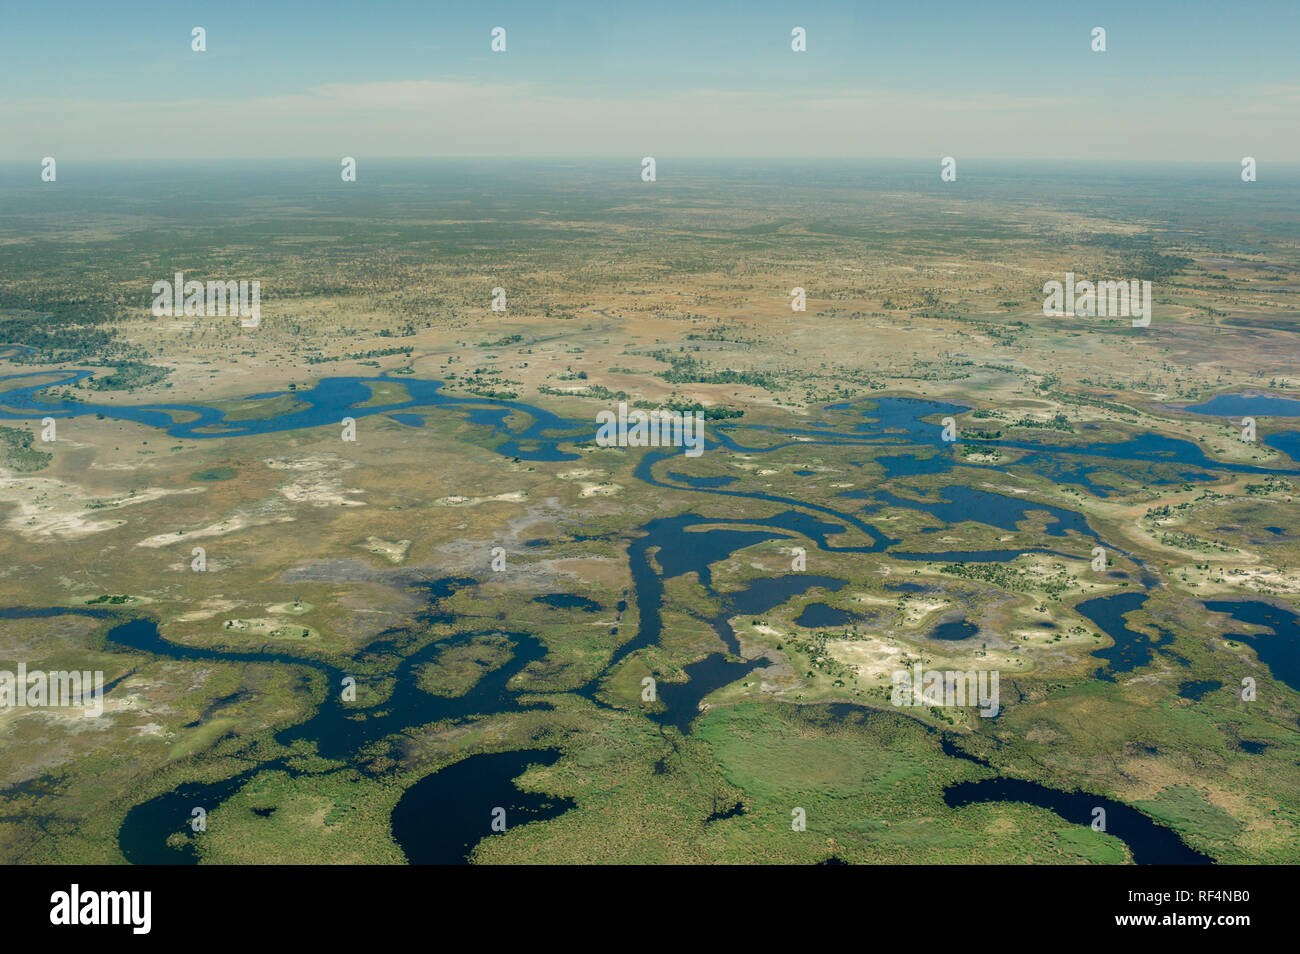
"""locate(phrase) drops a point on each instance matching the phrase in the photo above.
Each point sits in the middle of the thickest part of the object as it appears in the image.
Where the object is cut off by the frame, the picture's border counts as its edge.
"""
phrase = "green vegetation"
(16, 451)
(127, 376)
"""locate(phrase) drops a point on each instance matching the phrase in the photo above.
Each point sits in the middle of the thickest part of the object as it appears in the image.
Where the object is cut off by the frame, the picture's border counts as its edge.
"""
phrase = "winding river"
(427, 821)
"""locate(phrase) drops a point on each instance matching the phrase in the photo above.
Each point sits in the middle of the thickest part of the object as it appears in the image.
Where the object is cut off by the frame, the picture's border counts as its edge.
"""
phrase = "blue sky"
(1188, 80)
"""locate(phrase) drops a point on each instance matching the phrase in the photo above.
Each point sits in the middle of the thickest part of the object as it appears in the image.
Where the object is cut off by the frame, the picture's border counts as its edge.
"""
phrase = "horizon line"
(620, 157)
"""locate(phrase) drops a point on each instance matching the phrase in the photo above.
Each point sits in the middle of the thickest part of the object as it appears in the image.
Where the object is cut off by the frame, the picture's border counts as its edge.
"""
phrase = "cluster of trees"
(684, 369)
(17, 453)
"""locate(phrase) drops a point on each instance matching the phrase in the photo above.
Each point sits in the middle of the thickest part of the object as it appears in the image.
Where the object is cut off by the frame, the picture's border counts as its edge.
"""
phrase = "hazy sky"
(1180, 80)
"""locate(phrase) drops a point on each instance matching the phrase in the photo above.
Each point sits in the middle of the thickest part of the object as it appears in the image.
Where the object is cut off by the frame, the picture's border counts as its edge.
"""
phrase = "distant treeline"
(58, 330)
(686, 370)
(357, 356)
(1145, 261)
(602, 393)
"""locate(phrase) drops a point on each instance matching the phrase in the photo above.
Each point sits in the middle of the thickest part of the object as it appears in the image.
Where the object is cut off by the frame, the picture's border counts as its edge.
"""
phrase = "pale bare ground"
(46, 507)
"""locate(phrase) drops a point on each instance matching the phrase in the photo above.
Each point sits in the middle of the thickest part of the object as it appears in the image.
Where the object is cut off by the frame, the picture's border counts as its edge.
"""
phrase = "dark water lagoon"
(1149, 842)
(1198, 689)
(819, 614)
(1131, 648)
(1278, 647)
(954, 630)
(1246, 405)
(1256, 405)
(568, 601)
(956, 503)
(440, 819)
